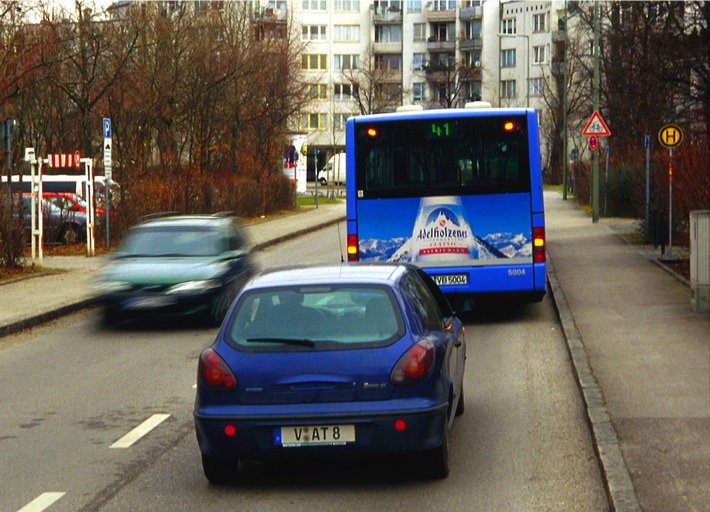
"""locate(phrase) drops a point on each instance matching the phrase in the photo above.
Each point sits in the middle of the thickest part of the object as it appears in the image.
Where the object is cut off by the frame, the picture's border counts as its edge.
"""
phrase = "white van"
(334, 170)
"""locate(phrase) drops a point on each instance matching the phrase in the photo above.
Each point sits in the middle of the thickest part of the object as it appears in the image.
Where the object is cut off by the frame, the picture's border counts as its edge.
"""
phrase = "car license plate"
(149, 302)
(449, 279)
(323, 435)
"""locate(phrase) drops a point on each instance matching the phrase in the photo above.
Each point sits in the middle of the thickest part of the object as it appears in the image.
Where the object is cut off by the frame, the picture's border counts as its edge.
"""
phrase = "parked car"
(176, 266)
(332, 362)
(72, 202)
(60, 224)
(334, 170)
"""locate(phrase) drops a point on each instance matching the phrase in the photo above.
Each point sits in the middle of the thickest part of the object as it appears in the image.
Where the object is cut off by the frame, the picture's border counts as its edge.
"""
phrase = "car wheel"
(70, 234)
(436, 461)
(220, 306)
(109, 318)
(461, 406)
(220, 471)
(323, 181)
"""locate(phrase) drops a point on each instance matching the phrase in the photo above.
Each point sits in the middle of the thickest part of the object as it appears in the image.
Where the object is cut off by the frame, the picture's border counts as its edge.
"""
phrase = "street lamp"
(527, 67)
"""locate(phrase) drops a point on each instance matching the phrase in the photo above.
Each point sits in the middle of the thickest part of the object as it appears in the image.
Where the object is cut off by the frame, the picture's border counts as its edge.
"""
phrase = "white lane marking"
(42, 502)
(141, 430)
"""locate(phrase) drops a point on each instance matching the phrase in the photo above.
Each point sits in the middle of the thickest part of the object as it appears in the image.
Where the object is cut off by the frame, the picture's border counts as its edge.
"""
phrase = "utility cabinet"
(700, 261)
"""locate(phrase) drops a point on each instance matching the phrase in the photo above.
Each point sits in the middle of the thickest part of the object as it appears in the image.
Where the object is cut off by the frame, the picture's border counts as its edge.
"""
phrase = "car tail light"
(353, 250)
(214, 372)
(539, 245)
(414, 366)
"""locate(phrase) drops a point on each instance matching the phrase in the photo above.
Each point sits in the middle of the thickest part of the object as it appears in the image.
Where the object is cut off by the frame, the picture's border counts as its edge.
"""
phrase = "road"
(71, 392)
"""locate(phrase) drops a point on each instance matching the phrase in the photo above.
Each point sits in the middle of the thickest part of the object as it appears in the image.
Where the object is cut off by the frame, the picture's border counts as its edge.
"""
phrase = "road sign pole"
(647, 145)
(595, 156)
(670, 201)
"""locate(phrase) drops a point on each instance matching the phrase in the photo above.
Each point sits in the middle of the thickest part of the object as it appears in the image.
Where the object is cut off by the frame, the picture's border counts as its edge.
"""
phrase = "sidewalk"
(641, 356)
(26, 302)
(642, 359)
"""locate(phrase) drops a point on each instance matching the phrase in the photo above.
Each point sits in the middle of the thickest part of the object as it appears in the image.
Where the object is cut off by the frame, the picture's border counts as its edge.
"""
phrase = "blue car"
(332, 362)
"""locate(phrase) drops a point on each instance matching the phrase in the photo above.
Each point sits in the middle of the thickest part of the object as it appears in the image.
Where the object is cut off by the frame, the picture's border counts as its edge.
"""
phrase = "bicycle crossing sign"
(596, 126)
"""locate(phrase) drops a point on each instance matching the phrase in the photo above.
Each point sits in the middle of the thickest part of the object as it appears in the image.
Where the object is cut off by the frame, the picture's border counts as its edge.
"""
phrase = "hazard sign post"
(670, 136)
(596, 127)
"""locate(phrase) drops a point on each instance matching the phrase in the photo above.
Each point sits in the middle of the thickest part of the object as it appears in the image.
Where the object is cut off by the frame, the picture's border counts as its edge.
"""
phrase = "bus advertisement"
(457, 192)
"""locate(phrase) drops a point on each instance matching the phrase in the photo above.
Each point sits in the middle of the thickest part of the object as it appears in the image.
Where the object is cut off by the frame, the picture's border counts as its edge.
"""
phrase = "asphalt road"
(73, 395)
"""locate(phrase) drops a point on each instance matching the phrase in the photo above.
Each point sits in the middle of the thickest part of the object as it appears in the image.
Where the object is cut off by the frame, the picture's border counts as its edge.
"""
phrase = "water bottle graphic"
(441, 232)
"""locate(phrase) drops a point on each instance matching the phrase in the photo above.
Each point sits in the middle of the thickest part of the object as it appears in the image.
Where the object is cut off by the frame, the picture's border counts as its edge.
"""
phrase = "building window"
(539, 55)
(346, 62)
(315, 92)
(536, 86)
(507, 88)
(314, 5)
(443, 5)
(507, 58)
(472, 29)
(313, 33)
(339, 121)
(443, 31)
(346, 5)
(473, 90)
(419, 91)
(388, 34)
(345, 91)
(414, 5)
(388, 5)
(388, 62)
(346, 33)
(508, 26)
(314, 121)
(540, 22)
(280, 5)
(419, 32)
(472, 59)
(313, 62)
(419, 61)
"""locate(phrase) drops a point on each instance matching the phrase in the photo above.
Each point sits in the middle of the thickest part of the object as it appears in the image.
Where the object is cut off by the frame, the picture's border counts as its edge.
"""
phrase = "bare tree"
(376, 83)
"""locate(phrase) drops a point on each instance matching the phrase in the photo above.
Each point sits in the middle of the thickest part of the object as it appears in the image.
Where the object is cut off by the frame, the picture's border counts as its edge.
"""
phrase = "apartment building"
(372, 56)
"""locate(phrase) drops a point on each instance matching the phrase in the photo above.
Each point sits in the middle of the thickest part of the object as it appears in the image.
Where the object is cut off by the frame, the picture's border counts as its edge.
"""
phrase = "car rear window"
(315, 318)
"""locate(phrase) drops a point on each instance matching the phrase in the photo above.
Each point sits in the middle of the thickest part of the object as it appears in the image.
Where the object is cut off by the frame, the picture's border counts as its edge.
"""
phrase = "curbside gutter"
(619, 487)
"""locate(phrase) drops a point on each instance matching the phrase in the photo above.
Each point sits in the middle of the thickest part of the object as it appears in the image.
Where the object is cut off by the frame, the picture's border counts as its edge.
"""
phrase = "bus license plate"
(449, 279)
(311, 435)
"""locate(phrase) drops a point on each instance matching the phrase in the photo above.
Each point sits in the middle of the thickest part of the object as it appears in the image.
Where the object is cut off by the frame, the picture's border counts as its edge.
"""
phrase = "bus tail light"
(539, 245)
(353, 250)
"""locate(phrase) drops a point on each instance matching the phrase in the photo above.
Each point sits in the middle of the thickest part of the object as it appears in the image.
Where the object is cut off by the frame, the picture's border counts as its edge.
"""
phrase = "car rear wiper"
(285, 341)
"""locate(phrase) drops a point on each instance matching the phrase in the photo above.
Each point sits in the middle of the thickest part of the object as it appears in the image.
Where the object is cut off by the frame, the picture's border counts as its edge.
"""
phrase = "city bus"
(457, 192)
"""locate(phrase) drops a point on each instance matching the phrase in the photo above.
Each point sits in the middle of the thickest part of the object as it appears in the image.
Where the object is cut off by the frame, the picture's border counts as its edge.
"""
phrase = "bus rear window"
(440, 156)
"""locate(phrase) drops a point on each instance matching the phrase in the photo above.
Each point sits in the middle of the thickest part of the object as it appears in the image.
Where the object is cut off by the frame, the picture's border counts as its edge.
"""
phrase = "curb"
(35, 320)
(619, 487)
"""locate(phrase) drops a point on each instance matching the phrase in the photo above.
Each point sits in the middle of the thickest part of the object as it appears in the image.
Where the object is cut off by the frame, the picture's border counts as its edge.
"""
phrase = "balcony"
(272, 15)
(388, 76)
(395, 47)
(474, 43)
(441, 16)
(386, 16)
(434, 44)
(470, 13)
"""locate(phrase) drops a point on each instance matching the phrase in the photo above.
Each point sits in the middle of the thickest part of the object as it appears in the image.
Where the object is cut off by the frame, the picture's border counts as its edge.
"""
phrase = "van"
(334, 170)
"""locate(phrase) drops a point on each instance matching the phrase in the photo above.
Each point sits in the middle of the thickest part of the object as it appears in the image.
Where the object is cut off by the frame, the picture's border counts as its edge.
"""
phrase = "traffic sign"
(596, 126)
(77, 159)
(107, 128)
(593, 142)
(670, 136)
(107, 153)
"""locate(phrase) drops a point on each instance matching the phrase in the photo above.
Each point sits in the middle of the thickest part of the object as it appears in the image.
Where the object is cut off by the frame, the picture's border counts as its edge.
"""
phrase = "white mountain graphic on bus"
(492, 246)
